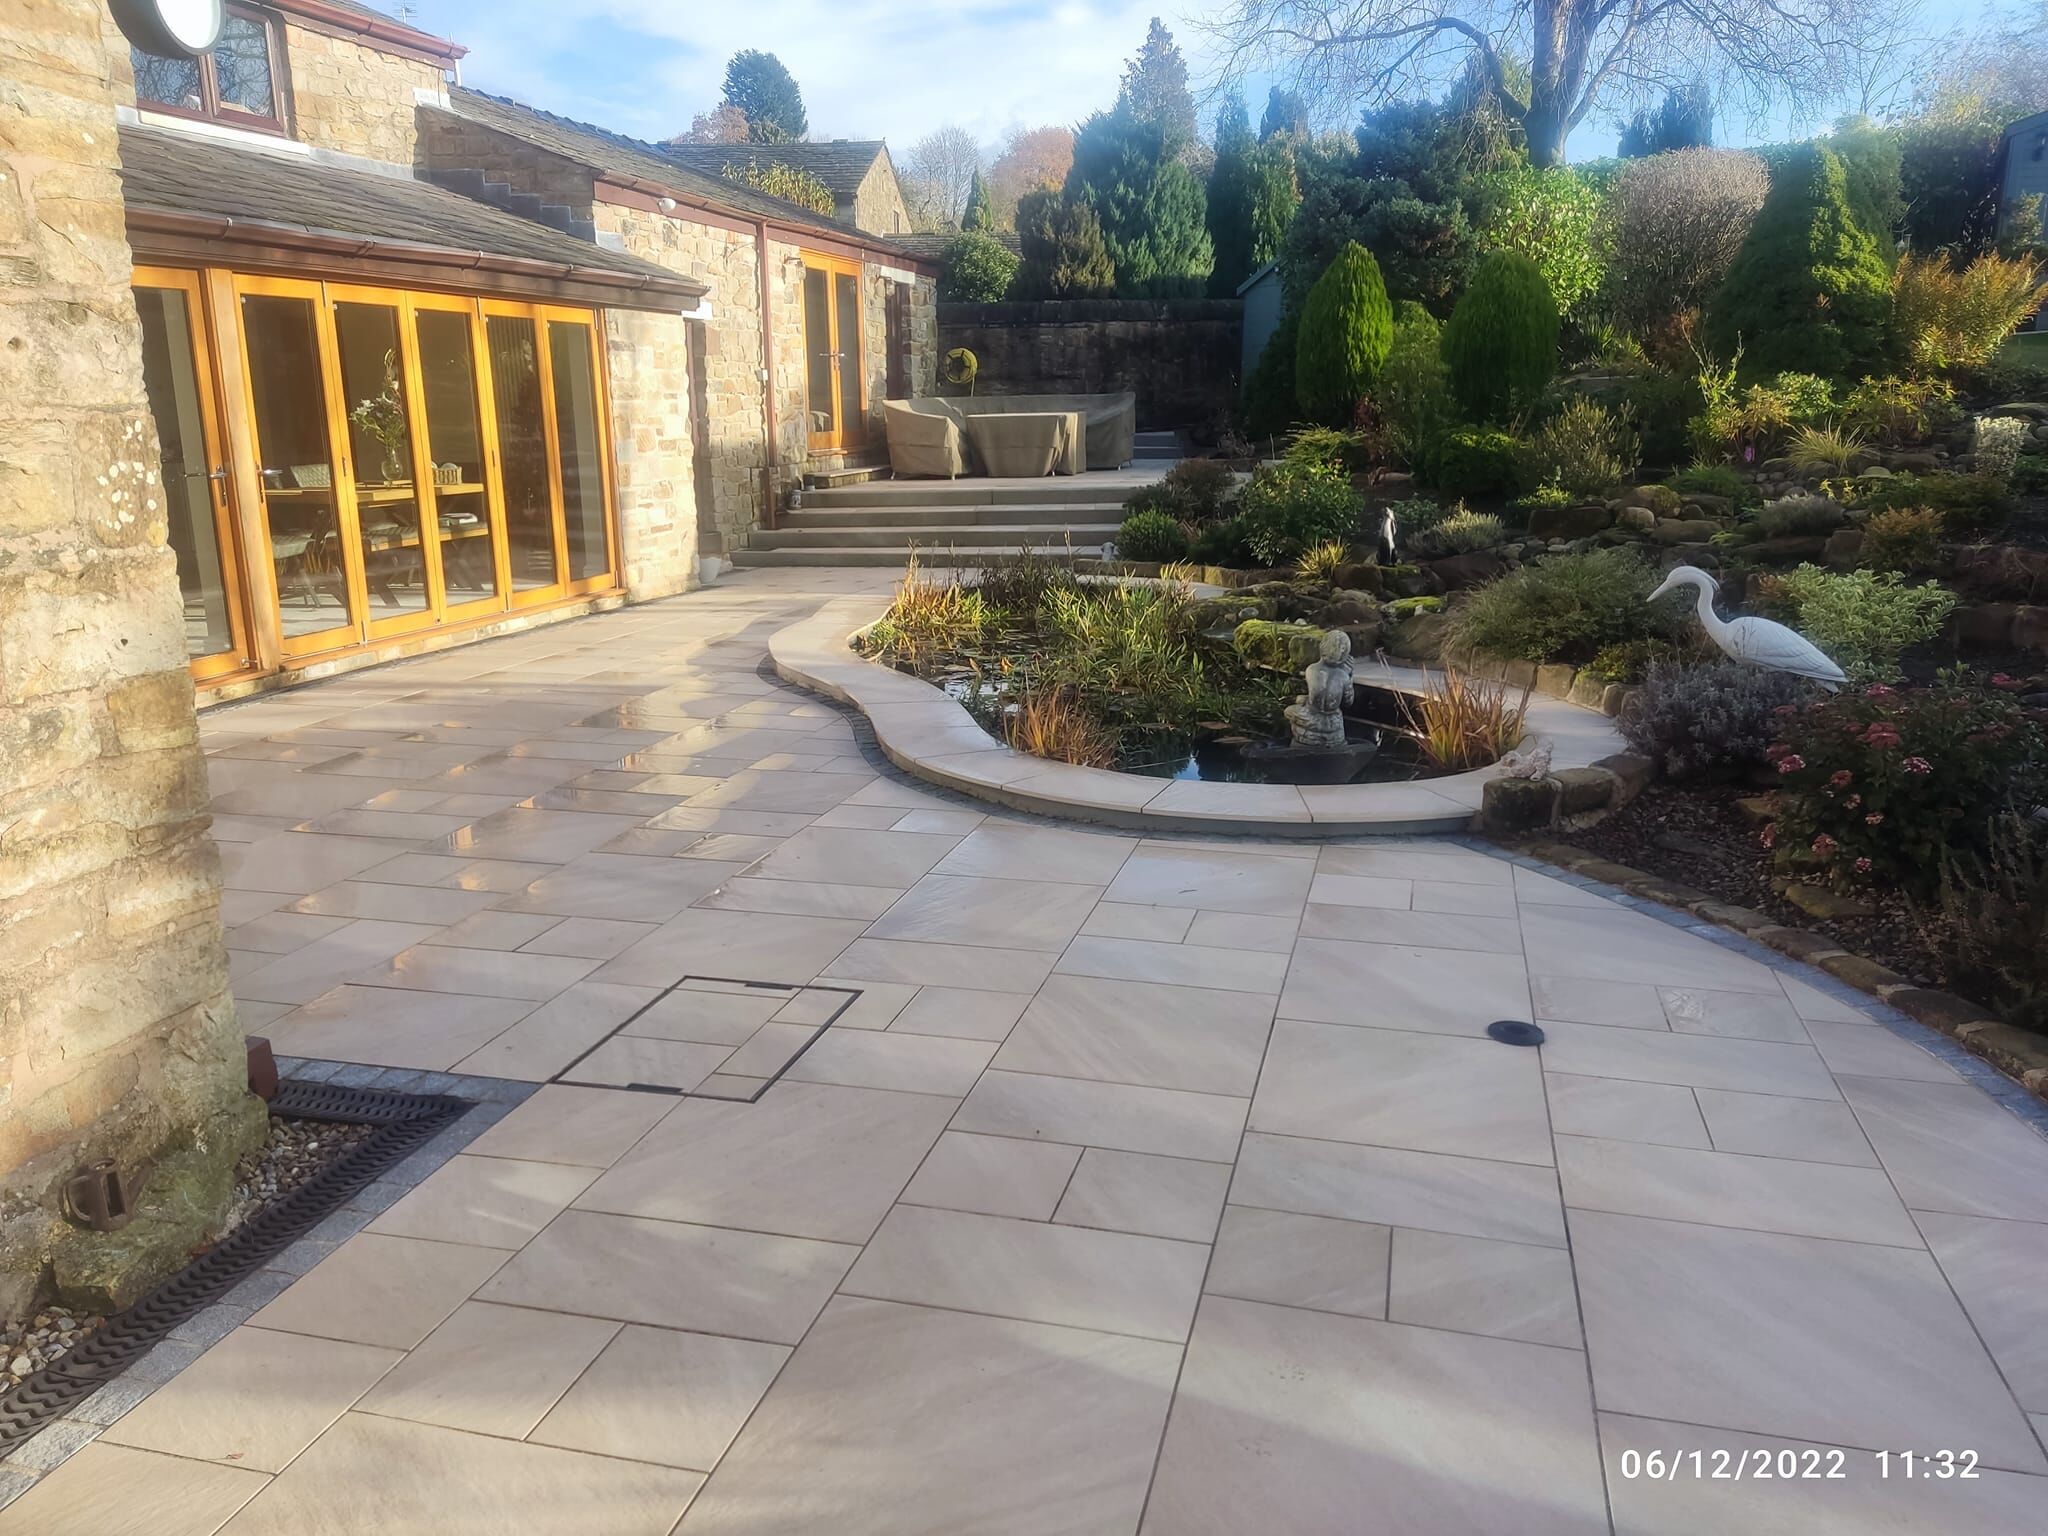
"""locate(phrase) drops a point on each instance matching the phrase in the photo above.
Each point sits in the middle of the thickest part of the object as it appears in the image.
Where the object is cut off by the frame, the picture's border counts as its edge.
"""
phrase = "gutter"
(367, 25)
(795, 234)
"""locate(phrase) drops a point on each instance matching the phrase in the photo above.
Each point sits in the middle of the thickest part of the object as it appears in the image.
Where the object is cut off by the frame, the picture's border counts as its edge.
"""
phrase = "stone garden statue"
(1316, 719)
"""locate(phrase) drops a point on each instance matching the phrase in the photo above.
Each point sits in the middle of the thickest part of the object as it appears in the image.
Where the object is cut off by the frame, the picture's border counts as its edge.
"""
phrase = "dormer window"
(240, 81)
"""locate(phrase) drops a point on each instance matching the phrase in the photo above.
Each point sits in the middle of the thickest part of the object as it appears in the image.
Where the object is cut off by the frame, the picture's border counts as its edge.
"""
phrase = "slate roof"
(616, 154)
(842, 164)
(173, 172)
(931, 246)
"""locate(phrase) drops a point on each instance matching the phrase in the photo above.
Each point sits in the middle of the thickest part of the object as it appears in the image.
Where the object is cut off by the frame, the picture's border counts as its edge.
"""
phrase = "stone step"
(1156, 439)
(965, 492)
(898, 557)
(980, 536)
(946, 517)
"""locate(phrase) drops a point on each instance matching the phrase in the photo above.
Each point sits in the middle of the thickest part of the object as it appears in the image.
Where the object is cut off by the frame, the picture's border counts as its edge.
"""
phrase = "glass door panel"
(178, 385)
(455, 445)
(523, 451)
(579, 440)
(380, 460)
(846, 353)
(309, 551)
(818, 349)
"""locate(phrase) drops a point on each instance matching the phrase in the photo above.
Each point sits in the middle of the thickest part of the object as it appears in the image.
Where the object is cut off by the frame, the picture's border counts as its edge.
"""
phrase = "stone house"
(858, 172)
(280, 403)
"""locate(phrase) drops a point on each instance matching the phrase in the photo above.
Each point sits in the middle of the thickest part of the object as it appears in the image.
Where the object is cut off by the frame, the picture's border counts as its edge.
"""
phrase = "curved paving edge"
(929, 735)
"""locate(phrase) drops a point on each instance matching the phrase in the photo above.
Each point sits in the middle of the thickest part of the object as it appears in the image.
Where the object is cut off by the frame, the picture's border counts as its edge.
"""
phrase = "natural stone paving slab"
(1996, 1268)
(1305, 1421)
(1949, 1148)
(1120, 1116)
(111, 1490)
(493, 1370)
(662, 1396)
(1301, 1261)
(1138, 1032)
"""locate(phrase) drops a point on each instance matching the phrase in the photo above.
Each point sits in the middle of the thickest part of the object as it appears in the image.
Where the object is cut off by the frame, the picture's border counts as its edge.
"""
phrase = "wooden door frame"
(485, 405)
(593, 322)
(849, 429)
(220, 496)
(341, 469)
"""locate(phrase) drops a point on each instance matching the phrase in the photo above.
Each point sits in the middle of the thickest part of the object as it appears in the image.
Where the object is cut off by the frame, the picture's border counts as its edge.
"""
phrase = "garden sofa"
(917, 447)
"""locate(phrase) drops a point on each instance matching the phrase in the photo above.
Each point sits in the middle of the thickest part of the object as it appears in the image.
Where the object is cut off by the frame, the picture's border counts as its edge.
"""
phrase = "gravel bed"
(292, 1153)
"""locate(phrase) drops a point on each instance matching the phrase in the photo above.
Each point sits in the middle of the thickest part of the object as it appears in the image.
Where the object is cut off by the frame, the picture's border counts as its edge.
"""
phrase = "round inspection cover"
(1514, 1032)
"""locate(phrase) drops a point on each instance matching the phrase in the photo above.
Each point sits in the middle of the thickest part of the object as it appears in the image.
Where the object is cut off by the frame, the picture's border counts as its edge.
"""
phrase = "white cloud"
(867, 68)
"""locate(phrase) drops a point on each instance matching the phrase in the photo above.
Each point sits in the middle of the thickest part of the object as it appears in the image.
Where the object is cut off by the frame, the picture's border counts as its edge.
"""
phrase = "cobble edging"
(2019, 1054)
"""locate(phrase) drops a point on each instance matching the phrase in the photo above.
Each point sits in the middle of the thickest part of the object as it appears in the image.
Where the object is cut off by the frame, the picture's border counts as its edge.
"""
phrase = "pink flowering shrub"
(1881, 783)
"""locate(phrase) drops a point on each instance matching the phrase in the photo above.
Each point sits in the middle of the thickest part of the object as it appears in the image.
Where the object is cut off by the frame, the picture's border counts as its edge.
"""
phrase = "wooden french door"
(178, 379)
(833, 371)
(422, 458)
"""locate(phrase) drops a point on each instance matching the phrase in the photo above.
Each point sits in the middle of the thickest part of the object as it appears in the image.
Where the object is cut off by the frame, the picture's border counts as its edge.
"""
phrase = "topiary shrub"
(1292, 505)
(1808, 290)
(1151, 536)
(976, 268)
(1414, 393)
(1706, 720)
(1269, 404)
(1347, 326)
(1564, 608)
(1501, 342)
(1478, 461)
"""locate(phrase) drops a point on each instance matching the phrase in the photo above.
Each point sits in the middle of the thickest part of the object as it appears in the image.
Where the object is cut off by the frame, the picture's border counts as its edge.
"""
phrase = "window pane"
(380, 452)
(455, 440)
(167, 82)
(582, 445)
(818, 347)
(522, 450)
(847, 295)
(241, 67)
(296, 463)
(170, 378)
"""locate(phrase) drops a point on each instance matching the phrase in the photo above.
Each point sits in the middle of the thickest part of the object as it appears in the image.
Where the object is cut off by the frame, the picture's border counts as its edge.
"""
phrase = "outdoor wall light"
(665, 204)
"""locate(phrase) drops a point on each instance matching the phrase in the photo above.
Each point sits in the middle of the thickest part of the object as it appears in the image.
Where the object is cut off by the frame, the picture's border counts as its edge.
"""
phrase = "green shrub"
(1202, 489)
(1290, 506)
(1418, 514)
(1545, 498)
(1902, 539)
(1803, 399)
(1584, 449)
(1414, 393)
(1550, 216)
(1347, 325)
(1900, 412)
(1269, 404)
(1346, 450)
(1564, 608)
(1808, 290)
(1629, 661)
(1222, 544)
(1800, 517)
(1994, 917)
(1712, 480)
(1996, 442)
(1478, 461)
(2030, 474)
(1151, 536)
(1706, 720)
(1661, 404)
(1950, 317)
(1465, 531)
(1501, 343)
(1967, 503)
(976, 268)
(1863, 620)
(1881, 785)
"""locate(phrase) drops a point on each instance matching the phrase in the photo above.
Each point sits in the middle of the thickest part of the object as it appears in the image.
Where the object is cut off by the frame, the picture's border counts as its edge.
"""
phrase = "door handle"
(218, 474)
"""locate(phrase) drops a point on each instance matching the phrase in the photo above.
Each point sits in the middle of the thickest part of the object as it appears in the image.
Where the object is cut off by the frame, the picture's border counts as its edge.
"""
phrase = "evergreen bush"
(976, 268)
(1478, 461)
(1808, 290)
(1501, 342)
(1269, 404)
(1347, 326)
(1414, 392)
(1151, 535)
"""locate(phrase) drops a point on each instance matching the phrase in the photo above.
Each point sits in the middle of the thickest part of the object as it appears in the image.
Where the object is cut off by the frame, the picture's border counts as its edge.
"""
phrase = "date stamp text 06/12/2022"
(1761, 1464)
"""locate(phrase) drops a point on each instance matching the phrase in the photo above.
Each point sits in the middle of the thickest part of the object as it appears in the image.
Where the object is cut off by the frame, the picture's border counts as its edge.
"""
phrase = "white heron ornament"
(1755, 642)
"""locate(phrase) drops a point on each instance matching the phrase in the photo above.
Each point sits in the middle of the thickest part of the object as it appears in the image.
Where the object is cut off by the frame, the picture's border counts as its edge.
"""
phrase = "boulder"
(1679, 530)
(2033, 408)
(1985, 626)
(1660, 499)
(1365, 638)
(1637, 519)
(1819, 901)
(1874, 472)
(1518, 805)
(1588, 690)
(1362, 576)
(1554, 679)
(1282, 647)
(1790, 551)
(1584, 789)
(1632, 773)
(1709, 505)
(1413, 581)
(1576, 522)
(1348, 610)
(1844, 548)
(1418, 636)
(1456, 572)
(1916, 462)
(2030, 629)
(1230, 610)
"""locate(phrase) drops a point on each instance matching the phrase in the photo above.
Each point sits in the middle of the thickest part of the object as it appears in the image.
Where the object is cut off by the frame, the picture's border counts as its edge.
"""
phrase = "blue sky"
(868, 68)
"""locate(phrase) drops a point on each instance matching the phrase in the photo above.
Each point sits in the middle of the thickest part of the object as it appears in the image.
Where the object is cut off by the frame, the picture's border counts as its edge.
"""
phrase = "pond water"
(1376, 718)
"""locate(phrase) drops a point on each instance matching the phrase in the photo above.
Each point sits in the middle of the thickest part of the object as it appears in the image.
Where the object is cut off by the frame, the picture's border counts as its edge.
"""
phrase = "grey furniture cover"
(926, 438)
(1111, 421)
(1024, 443)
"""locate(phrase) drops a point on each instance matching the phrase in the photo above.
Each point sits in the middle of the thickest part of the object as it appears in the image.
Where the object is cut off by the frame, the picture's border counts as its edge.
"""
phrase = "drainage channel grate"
(712, 1037)
(406, 1122)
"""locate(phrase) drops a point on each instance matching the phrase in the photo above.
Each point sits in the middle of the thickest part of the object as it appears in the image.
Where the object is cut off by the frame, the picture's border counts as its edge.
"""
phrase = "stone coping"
(929, 735)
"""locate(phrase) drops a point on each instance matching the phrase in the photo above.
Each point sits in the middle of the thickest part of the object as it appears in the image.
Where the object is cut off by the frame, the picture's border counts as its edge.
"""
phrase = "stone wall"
(447, 142)
(878, 201)
(1180, 356)
(117, 1032)
(724, 259)
(355, 98)
(649, 372)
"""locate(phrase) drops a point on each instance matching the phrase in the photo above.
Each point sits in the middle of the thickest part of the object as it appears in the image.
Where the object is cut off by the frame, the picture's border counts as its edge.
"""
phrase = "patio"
(1149, 1185)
